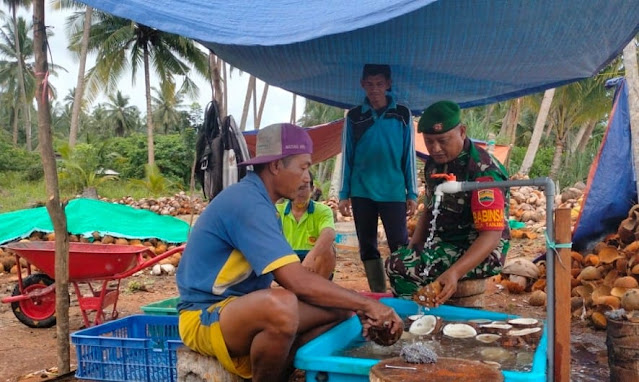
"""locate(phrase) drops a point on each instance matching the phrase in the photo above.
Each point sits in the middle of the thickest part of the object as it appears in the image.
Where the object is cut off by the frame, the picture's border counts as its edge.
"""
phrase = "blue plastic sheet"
(611, 187)
(471, 51)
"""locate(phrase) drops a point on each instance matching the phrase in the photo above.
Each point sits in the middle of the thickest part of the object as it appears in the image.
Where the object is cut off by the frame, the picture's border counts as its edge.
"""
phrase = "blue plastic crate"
(319, 361)
(135, 348)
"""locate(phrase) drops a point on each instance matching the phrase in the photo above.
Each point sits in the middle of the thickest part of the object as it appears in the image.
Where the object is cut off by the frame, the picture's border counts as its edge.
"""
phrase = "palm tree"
(540, 122)
(122, 44)
(122, 115)
(26, 107)
(84, 45)
(167, 108)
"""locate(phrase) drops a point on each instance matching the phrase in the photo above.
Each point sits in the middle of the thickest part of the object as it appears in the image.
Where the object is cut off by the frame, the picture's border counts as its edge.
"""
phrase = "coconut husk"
(598, 320)
(591, 260)
(425, 296)
(539, 285)
(537, 298)
(608, 255)
(630, 300)
(632, 248)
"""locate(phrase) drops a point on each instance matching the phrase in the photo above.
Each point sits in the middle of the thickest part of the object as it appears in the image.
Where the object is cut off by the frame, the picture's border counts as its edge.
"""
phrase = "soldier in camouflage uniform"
(472, 235)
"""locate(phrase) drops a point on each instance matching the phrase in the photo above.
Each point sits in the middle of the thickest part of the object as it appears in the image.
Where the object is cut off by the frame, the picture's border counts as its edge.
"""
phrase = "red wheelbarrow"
(33, 298)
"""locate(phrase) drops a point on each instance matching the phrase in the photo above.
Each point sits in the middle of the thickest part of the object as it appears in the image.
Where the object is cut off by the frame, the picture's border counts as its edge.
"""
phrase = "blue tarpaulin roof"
(470, 51)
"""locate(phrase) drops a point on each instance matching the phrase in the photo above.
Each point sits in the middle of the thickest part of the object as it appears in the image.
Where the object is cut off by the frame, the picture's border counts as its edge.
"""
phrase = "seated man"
(471, 235)
(235, 251)
(309, 228)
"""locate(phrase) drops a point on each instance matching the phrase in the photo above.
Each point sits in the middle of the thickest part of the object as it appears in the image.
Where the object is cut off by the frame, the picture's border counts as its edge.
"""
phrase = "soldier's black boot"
(376, 275)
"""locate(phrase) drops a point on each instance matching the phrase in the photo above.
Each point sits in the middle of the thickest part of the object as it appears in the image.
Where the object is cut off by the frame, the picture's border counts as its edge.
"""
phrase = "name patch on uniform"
(486, 197)
(487, 220)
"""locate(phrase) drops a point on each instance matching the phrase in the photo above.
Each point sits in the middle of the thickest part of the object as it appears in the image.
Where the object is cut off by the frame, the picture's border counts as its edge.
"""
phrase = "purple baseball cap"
(278, 141)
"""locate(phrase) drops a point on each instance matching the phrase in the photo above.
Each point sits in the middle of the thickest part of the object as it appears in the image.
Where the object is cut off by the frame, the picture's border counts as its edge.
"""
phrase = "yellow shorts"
(200, 331)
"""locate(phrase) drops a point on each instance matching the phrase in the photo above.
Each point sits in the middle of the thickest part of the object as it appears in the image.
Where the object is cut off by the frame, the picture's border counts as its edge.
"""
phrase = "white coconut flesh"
(415, 317)
(523, 332)
(497, 326)
(423, 325)
(487, 338)
(459, 331)
(480, 321)
(523, 321)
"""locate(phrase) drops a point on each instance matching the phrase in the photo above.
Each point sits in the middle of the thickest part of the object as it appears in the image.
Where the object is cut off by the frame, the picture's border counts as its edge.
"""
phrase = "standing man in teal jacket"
(378, 170)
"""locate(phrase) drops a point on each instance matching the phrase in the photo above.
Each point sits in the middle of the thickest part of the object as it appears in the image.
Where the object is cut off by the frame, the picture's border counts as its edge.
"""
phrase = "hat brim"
(262, 159)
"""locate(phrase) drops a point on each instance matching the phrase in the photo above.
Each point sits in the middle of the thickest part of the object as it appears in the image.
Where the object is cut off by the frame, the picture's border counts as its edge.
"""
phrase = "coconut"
(426, 295)
(608, 255)
(591, 260)
(495, 328)
(523, 322)
(425, 325)
(521, 271)
(537, 298)
(630, 300)
(590, 273)
(521, 337)
(598, 320)
(459, 331)
(383, 336)
(480, 321)
(415, 317)
(487, 338)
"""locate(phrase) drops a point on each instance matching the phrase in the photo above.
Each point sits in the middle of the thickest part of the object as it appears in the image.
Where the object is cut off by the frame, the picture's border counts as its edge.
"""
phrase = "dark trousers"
(393, 215)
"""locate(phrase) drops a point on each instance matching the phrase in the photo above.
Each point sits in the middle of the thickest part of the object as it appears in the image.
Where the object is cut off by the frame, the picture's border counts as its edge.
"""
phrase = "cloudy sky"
(278, 103)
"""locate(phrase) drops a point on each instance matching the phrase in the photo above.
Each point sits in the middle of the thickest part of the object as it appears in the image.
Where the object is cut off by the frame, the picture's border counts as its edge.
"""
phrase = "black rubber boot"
(376, 275)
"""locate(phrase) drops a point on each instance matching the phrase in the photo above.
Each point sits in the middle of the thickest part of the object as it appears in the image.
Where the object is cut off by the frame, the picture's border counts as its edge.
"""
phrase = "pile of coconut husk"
(8, 259)
(178, 204)
(605, 279)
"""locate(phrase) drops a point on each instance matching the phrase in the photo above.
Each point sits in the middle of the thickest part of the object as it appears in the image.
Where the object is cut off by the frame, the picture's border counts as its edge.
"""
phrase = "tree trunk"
(23, 94)
(79, 87)
(149, 111)
(247, 102)
(542, 117)
(632, 79)
(586, 137)
(293, 109)
(549, 128)
(216, 83)
(258, 120)
(509, 123)
(54, 207)
(489, 112)
(16, 109)
(556, 159)
(254, 105)
(582, 136)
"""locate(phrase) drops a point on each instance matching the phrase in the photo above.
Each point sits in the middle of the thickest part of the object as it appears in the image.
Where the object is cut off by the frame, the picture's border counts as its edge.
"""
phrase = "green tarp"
(85, 216)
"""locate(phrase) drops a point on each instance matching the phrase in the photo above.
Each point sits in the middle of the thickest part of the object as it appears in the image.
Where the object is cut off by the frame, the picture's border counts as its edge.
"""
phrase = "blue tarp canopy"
(612, 186)
(471, 51)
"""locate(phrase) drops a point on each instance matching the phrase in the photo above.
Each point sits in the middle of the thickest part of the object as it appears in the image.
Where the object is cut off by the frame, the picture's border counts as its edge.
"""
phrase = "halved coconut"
(495, 328)
(523, 322)
(459, 331)
(480, 321)
(519, 337)
(425, 325)
(487, 338)
(415, 317)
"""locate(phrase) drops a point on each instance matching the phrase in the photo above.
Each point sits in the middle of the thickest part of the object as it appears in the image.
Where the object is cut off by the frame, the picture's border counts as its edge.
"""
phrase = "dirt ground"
(26, 354)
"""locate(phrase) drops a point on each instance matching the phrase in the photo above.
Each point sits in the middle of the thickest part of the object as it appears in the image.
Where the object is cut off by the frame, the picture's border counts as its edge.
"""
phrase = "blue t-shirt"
(234, 246)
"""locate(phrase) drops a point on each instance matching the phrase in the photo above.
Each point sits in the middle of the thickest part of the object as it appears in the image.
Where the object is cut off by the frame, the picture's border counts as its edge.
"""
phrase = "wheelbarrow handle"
(149, 262)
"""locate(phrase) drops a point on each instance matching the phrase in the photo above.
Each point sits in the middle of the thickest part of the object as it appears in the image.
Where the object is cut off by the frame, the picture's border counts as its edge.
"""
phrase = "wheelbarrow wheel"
(37, 312)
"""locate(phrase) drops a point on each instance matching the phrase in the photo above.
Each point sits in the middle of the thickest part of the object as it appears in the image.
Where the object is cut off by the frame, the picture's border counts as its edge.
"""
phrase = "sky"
(278, 102)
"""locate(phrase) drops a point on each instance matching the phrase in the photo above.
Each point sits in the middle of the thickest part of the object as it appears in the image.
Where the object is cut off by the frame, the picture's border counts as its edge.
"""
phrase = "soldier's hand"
(448, 280)
(345, 207)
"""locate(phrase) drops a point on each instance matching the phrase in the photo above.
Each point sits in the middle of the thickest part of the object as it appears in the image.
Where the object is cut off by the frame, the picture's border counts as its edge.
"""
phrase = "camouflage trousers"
(408, 270)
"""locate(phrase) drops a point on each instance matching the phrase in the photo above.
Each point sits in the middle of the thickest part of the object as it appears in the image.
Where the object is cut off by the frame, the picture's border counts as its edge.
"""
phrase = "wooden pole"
(54, 207)
(562, 296)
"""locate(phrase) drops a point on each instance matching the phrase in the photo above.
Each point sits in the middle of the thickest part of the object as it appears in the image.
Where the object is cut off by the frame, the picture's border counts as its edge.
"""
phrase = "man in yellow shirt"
(310, 229)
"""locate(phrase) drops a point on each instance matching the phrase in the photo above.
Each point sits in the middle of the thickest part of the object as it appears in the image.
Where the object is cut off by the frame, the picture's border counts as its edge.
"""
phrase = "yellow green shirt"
(303, 235)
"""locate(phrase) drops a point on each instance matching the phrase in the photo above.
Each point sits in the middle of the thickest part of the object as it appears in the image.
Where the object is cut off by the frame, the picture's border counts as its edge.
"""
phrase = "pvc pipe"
(549, 192)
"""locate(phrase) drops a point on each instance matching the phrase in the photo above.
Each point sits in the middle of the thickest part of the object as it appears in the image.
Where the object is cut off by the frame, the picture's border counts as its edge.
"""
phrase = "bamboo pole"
(562, 297)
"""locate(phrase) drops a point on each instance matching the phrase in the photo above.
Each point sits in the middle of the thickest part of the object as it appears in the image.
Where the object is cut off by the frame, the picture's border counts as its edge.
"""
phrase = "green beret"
(439, 118)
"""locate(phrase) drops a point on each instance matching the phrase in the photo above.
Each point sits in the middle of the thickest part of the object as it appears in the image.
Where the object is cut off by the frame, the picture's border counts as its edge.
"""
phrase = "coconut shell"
(574, 272)
(50, 236)
(121, 241)
(108, 239)
(590, 273)
(608, 301)
(598, 320)
(591, 259)
(73, 239)
(632, 248)
(608, 255)
(513, 287)
(383, 336)
(576, 256)
(626, 230)
(628, 282)
(621, 266)
(425, 296)
(610, 278)
(539, 285)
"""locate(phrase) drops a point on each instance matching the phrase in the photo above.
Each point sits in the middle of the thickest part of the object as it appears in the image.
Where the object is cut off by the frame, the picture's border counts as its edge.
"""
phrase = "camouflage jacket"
(455, 221)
